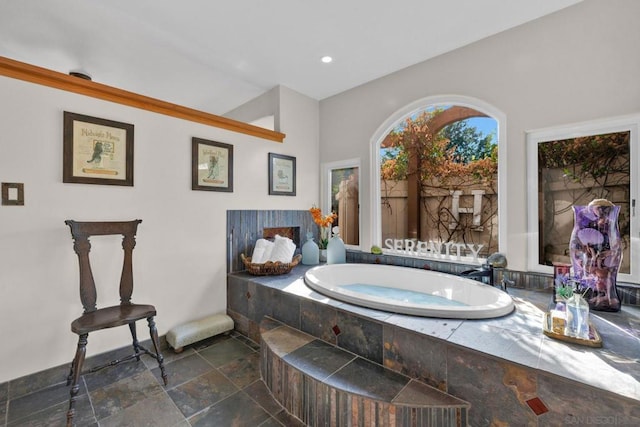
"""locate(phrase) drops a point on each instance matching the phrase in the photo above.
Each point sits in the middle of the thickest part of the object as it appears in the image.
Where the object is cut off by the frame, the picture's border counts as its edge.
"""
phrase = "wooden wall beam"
(34, 74)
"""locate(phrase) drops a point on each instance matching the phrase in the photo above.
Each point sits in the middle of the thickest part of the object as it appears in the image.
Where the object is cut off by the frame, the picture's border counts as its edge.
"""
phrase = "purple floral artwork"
(596, 253)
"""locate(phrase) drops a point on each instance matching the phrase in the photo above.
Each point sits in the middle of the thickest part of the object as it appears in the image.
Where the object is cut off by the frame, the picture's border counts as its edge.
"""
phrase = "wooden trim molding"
(34, 74)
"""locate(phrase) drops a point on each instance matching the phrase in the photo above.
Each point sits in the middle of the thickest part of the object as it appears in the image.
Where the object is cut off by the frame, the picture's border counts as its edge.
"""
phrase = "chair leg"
(134, 335)
(156, 345)
(76, 366)
(70, 377)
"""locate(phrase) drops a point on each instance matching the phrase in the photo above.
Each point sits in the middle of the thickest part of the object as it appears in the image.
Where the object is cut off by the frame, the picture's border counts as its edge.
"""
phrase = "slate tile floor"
(213, 383)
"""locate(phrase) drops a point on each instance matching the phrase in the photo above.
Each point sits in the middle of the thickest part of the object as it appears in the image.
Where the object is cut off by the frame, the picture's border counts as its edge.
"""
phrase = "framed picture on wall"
(282, 175)
(97, 151)
(211, 165)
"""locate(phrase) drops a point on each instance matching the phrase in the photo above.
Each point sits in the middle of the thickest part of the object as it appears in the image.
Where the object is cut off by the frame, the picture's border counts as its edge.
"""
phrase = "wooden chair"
(95, 319)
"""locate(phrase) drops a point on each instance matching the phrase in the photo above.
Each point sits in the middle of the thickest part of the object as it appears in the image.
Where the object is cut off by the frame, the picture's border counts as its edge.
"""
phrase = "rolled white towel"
(262, 251)
(283, 249)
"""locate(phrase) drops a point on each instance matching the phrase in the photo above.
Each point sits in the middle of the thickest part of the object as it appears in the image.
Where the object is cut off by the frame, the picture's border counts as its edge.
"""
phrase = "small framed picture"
(97, 151)
(211, 165)
(282, 175)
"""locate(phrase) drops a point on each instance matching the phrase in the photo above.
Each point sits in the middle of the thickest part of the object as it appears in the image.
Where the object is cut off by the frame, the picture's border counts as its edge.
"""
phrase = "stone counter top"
(516, 337)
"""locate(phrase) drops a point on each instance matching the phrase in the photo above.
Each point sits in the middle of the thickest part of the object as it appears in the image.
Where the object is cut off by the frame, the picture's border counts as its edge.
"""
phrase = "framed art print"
(211, 165)
(282, 175)
(97, 151)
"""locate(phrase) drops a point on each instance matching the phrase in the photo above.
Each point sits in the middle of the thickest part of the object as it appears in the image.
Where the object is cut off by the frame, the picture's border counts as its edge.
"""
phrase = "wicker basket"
(269, 268)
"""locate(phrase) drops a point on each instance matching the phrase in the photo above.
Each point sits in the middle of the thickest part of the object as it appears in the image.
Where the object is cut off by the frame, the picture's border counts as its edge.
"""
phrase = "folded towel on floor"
(262, 251)
(283, 250)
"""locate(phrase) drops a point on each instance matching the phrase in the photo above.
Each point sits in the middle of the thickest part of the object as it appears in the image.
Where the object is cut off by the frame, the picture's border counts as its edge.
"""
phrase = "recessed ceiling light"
(326, 59)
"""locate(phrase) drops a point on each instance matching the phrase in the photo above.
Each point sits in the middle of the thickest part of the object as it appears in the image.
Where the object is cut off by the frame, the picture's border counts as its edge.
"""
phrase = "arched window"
(435, 179)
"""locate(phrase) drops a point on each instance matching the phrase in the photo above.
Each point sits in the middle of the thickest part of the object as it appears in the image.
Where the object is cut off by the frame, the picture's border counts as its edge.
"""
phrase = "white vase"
(336, 252)
(310, 252)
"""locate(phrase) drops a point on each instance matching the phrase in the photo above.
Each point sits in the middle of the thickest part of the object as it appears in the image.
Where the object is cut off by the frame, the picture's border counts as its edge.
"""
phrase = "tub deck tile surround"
(360, 336)
(484, 362)
(324, 385)
(319, 320)
(245, 227)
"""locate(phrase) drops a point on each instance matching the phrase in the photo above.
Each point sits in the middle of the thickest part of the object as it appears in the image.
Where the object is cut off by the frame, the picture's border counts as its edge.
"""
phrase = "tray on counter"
(595, 340)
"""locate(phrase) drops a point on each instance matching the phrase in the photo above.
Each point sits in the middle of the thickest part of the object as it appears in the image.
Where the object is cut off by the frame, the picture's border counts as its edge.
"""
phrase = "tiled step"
(324, 385)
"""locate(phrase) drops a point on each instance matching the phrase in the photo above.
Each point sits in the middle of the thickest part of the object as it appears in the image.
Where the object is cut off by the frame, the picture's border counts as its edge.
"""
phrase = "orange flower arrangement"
(324, 222)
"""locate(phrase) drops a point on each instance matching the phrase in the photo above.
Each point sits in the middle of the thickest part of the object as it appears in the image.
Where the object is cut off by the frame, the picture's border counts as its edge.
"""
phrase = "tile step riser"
(316, 403)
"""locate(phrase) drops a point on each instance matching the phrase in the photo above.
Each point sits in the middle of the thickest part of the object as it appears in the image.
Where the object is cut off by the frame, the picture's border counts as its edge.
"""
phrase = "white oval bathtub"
(444, 295)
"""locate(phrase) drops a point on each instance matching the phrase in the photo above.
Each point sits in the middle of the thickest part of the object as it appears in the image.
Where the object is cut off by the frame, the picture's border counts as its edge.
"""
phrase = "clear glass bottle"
(577, 317)
(310, 251)
(336, 251)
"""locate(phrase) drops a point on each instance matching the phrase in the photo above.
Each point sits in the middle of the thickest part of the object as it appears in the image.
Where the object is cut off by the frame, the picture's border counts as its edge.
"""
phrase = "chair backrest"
(81, 231)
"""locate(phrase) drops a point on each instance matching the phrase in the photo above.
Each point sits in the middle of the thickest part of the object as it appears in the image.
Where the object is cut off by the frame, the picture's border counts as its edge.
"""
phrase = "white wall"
(300, 114)
(579, 64)
(267, 104)
(179, 260)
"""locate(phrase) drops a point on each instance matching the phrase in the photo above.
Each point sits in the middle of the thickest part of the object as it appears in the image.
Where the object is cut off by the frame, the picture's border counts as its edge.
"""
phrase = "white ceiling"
(214, 55)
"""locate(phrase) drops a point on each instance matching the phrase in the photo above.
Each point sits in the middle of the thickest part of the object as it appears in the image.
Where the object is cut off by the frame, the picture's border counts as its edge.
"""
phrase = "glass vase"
(596, 253)
(310, 251)
(336, 251)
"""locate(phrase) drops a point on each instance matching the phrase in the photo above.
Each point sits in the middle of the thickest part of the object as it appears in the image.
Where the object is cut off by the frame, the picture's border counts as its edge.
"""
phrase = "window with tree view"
(439, 178)
(575, 171)
(345, 202)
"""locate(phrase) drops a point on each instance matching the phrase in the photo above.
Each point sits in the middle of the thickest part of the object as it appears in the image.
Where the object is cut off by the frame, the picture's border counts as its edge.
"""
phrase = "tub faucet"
(494, 261)
(497, 260)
